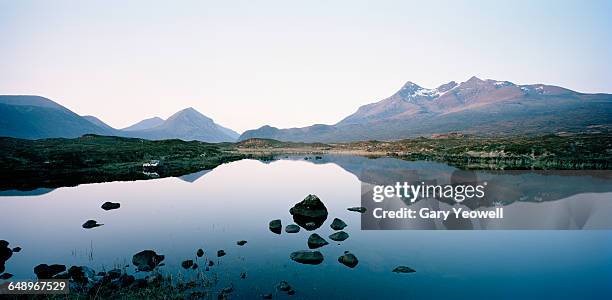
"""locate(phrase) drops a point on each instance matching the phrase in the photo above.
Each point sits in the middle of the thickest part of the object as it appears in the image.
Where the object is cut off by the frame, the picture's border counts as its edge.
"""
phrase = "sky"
(288, 63)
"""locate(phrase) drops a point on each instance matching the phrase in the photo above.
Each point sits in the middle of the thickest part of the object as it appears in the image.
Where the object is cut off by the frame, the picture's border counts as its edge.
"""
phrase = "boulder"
(17, 249)
(242, 275)
(211, 263)
(276, 226)
(195, 266)
(44, 271)
(110, 205)
(114, 274)
(266, 296)
(241, 243)
(316, 241)
(339, 236)
(359, 209)
(5, 254)
(147, 260)
(403, 269)
(6, 276)
(307, 257)
(338, 224)
(310, 213)
(200, 252)
(348, 259)
(292, 228)
(220, 253)
(81, 274)
(91, 224)
(187, 264)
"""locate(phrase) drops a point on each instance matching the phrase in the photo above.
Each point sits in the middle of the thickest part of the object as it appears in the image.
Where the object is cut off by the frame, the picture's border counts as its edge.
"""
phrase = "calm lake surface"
(214, 209)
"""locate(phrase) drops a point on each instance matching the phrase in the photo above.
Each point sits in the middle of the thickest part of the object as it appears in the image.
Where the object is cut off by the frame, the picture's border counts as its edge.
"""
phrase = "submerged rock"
(403, 269)
(200, 252)
(316, 241)
(291, 292)
(6, 276)
(359, 209)
(195, 266)
(339, 236)
(243, 275)
(147, 260)
(110, 205)
(187, 264)
(276, 226)
(91, 224)
(283, 286)
(307, 257)
(44, 271)
(338, 224)
(220, 253)
(348, 259)
(114, 273)
(292, 228)
(241, 243)
(266, 296)
(310, 213)
(17, 249)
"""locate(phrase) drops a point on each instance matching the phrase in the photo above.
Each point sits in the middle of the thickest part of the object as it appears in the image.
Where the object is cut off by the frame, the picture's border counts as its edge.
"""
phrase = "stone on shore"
(44, 271)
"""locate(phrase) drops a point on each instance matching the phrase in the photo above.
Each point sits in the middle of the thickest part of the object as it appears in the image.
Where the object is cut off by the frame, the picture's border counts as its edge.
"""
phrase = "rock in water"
(200, 252)
(310, 213)
(283, 286)
(339, 236)
(147, 260)
(292, 228)
(338, 224)
(195, 266)
(91, 224)
(220, 253)
(44, 271)
(5, 254)
(359, 209)
(187, 264)
(81, 274)
(242, 275)
(266, 296)
(241, 243)
(6, 276)
(316, 241)
(403, 269)
(348, 259)
(276, 226)
(17, 249)
(110, 205)
(307, 257)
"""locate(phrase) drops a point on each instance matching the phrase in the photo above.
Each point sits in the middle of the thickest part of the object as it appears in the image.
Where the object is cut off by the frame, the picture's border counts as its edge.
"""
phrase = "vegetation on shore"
(579, 151)
(28, 164)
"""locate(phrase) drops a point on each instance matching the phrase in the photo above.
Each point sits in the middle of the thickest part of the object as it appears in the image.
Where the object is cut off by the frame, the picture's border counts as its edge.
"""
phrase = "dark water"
(212, 210)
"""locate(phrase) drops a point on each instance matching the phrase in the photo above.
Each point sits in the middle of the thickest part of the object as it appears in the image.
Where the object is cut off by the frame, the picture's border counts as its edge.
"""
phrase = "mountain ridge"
(476, 106)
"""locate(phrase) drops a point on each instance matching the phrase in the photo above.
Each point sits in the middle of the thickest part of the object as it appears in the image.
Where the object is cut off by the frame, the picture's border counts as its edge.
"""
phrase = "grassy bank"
(28, 164)
(561, 152)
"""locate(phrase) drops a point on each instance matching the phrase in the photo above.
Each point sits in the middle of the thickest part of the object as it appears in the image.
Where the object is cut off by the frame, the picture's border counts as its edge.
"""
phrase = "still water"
(214, 209)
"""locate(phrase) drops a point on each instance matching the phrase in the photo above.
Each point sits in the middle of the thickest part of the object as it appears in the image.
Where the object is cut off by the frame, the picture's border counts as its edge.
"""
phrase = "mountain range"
(35, 117)
(481, 107)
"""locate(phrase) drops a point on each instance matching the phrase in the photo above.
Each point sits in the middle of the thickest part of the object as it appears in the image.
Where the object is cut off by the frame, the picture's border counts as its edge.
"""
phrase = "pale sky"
(288, 63)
